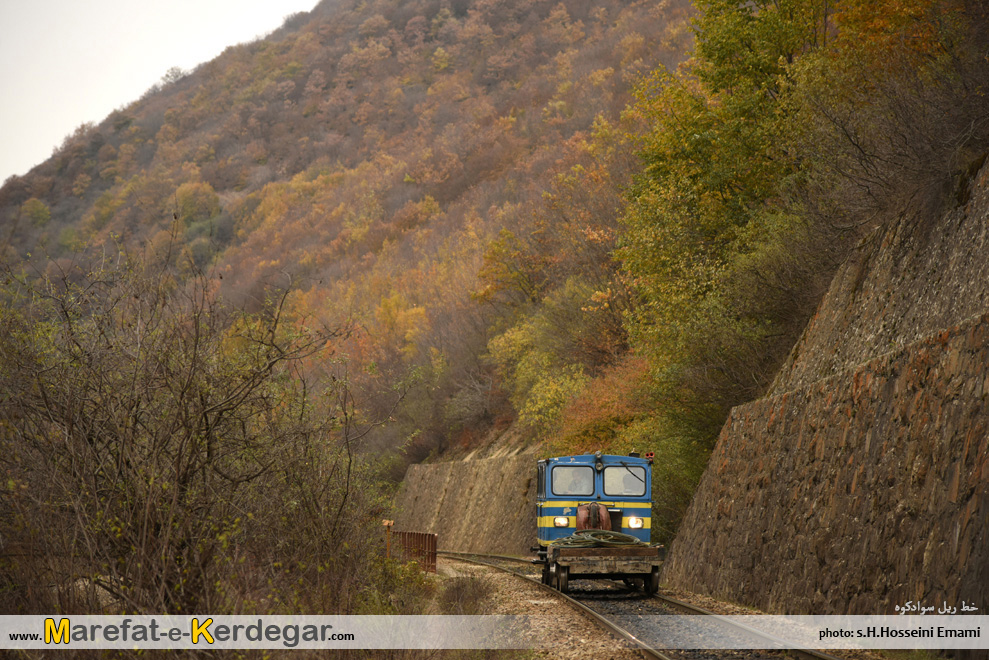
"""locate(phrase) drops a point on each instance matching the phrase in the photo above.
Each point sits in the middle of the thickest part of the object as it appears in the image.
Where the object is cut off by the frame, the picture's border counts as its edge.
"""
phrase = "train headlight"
(635, 523)
(561, 521)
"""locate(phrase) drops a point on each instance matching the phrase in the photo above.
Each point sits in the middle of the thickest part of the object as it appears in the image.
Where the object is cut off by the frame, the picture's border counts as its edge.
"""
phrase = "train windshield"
(626, 481)
(573, 480)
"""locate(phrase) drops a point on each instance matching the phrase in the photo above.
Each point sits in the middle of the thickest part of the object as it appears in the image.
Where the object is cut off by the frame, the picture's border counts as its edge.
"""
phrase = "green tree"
(36, 211)
(795, 126)
(196, 201)
(713, 193)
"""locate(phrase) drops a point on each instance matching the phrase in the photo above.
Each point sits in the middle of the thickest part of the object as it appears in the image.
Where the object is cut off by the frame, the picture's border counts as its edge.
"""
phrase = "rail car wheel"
(652, 582)
(563, 578)
(547, 576)
(633, 583)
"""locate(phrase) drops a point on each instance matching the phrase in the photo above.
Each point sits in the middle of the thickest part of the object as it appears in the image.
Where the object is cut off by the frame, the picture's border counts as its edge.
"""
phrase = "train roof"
(606, 459)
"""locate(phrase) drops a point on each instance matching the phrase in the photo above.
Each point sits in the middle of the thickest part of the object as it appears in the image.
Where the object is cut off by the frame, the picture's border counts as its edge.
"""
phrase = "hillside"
(364, 156)
(236, 309)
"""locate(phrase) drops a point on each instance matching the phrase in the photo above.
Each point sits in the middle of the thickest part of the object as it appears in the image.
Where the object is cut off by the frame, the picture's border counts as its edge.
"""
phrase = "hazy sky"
(67, 62)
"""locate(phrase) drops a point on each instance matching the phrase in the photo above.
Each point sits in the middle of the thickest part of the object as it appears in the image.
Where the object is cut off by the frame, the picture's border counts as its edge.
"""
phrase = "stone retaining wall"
(908, 280)
(482, 505)
(854, 493)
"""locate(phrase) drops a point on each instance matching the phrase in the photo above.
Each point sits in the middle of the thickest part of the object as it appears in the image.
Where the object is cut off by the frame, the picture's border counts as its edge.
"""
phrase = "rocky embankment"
(852, 494)
(474, 505)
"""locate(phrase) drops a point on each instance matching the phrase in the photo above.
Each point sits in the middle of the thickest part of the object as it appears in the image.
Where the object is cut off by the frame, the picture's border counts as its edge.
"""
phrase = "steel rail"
(604, 622)
(520, 560)
(800, 652)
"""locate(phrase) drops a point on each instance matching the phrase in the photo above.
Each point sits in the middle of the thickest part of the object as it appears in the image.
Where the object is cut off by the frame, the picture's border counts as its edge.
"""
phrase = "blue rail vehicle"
(593, 515)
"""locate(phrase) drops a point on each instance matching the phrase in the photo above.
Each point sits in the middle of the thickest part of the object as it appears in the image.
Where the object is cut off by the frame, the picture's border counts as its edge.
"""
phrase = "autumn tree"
(372, 155)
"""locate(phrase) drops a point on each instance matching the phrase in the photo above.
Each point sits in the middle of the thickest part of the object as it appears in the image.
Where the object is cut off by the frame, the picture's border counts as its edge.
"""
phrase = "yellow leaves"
(539, 384)
(559, 27)
(196, 201)
(599, 301)
(441, 59)
(438, 362)
(362, 216)
(81, 184)
(876, 37)
(447, 89)
(546, 358)
(602, 235)
(506, 269)
(400, 325)
(631, 48)
(601, 76)
(36, 212)
(557, 112)
(506, 123)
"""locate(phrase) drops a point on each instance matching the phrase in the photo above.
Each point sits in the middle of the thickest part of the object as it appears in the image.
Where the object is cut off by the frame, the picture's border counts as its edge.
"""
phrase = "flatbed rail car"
(603, 496)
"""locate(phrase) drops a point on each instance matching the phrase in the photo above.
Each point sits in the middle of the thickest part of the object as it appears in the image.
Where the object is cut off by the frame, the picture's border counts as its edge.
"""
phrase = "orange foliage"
(343, 158)
(608, 403)
(908, 29)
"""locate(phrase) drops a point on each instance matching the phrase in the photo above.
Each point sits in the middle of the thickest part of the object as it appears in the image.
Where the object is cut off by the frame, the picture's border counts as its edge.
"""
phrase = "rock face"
(919, 276)
(852, 494)
(862, 480)
(482, 505)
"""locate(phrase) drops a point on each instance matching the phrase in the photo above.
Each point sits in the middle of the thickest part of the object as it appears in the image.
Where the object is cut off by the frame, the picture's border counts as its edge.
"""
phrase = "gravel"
(572, 635)
(567, 634)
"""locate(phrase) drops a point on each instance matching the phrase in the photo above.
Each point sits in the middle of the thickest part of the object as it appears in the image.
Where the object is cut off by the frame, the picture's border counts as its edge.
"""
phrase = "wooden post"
(388, 524)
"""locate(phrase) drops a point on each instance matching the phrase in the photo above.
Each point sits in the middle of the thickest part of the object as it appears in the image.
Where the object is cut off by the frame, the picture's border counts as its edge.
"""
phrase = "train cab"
(593, 491)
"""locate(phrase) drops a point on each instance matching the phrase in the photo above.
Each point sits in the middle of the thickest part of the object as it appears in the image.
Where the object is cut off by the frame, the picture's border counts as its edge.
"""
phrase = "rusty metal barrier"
(419, 547)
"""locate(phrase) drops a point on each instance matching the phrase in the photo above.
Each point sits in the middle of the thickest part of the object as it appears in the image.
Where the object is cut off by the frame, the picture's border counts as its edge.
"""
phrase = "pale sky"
(67, 62)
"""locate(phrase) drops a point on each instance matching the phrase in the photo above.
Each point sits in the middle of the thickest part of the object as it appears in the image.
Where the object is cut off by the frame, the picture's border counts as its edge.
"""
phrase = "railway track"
(616, 607)
(601, 620)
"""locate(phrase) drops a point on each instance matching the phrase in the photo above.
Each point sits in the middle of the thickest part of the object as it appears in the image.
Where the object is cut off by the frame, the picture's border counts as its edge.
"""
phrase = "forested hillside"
(364, 156)
(392, 227)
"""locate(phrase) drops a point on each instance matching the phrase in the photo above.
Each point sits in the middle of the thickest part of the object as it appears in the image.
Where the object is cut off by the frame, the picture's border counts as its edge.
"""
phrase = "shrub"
(164, 453)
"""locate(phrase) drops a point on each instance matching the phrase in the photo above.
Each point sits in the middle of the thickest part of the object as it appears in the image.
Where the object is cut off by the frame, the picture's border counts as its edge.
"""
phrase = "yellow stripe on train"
(646, 523)
(549, 521)
(575, 504)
